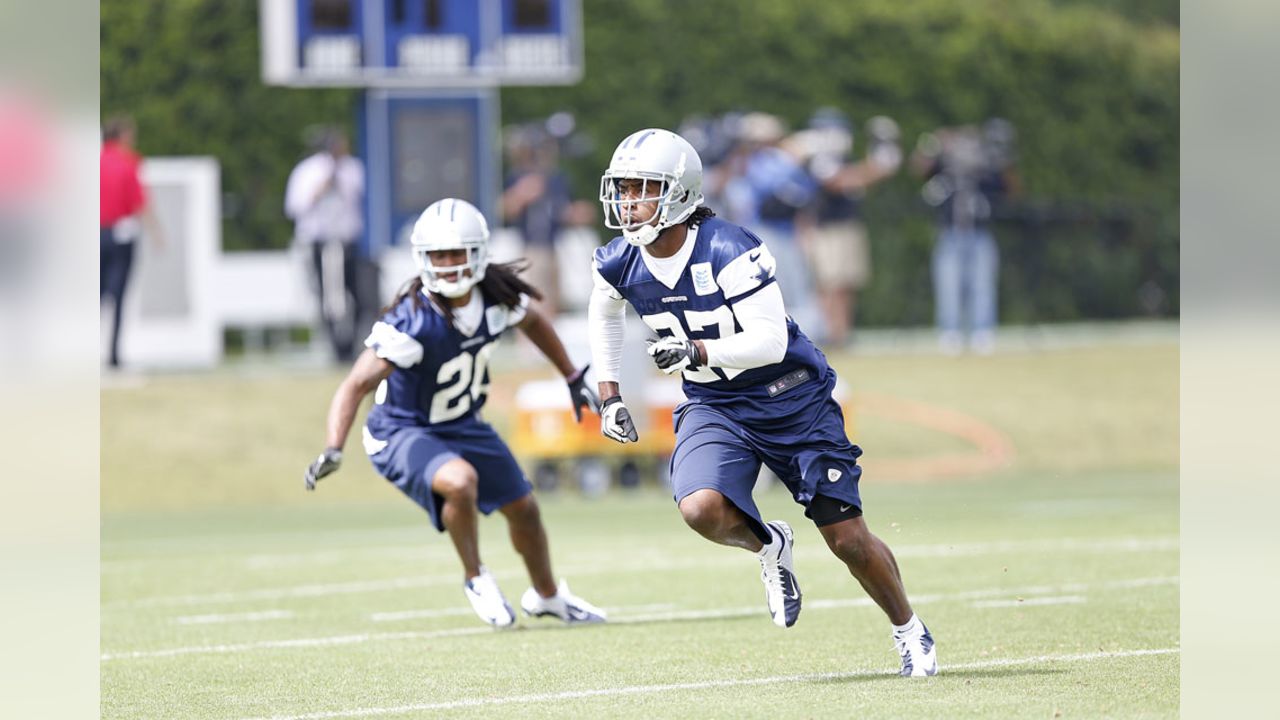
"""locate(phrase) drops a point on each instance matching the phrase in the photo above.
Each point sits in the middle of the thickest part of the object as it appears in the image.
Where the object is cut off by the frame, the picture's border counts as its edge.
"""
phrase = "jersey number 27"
(721, 319)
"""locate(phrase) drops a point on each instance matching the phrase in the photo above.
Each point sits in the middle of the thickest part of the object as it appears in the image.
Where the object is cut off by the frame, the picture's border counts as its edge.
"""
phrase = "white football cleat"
(778, 574)
(919, 658)
(487, 600)
(565, 605)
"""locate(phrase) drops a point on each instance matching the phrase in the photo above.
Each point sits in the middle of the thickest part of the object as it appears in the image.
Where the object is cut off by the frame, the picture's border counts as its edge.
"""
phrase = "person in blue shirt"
(427, 363)
(758, 391)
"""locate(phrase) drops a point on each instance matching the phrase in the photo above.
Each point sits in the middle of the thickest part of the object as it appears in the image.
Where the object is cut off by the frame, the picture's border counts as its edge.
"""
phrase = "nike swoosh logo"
(754, 256)
(845, 508)
(795, 592)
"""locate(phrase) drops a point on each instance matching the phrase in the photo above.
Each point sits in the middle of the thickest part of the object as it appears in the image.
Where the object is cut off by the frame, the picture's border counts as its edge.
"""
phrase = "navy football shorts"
(414, 454)
(713, 451)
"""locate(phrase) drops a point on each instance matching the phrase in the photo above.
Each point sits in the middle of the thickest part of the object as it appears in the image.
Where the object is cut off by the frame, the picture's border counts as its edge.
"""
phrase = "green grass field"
(1050, 579)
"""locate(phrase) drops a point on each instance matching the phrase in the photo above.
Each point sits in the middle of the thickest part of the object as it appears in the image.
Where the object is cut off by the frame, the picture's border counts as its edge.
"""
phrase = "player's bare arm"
(542, 333)
(366, 373)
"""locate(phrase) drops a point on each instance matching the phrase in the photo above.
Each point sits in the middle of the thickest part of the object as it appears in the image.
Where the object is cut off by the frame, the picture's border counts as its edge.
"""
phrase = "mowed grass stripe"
(678, 615)
(710, 684)
(1071, 545)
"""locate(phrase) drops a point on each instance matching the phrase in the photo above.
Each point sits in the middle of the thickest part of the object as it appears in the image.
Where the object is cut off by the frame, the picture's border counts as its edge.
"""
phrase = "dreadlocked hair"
(702, 213)
(501, 284)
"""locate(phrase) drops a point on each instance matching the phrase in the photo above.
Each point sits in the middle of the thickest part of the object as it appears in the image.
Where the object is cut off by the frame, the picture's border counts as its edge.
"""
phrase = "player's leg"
(456, 482)
(869, 560)
(713, 471)
(429, 470)
(836, 508)
(543, 598)
(503, 487)
(715, 518)
(529, 538)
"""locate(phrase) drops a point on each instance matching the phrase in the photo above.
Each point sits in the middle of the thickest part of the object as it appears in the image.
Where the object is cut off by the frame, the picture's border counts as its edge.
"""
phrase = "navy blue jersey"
(441, 377)
(727, 265)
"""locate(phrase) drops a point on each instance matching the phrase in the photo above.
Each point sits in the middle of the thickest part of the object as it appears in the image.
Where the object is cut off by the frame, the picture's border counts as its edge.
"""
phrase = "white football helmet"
(451, 224)
(672, 172)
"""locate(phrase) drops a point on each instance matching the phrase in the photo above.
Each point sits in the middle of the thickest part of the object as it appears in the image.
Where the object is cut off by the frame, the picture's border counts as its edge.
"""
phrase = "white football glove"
(328, 462)
(615, 421)
(673, 355)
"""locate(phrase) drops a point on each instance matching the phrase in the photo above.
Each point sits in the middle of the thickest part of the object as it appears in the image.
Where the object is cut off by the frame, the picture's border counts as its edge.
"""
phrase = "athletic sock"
(906, 628)
(774, 537)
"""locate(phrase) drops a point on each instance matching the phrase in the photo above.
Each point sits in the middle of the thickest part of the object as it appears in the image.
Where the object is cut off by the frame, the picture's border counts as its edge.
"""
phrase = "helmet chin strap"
(451, 290)
(646, 234)
(642, 236)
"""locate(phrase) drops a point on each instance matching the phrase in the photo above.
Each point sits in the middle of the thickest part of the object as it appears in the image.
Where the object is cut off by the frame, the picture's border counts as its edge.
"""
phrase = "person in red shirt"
(123, 201)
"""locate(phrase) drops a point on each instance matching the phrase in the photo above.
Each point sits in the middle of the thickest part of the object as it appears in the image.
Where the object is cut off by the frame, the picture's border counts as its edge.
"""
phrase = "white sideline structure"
(169, 318)
(182, 297)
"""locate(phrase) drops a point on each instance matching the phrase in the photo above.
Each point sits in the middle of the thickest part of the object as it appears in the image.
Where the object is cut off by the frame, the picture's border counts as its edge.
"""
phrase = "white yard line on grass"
(707, 685)
(713, 613)
(447, 612)
(234, 617)
(295, 591)
(1130, 544)
(300, 643)
(1025, 602)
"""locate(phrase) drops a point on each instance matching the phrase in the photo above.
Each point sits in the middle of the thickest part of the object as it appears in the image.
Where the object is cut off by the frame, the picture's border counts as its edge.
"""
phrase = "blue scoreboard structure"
(421, 147)
(421, 43)
(430, 70)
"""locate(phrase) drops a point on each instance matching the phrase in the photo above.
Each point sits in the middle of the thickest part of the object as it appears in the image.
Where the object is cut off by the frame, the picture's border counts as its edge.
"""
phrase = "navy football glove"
(581, 395)
(326, 464)
(674, 354)
(615, 421)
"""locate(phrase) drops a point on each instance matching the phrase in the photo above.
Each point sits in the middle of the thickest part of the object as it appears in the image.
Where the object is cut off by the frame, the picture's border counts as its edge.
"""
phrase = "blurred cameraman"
(968, 170)
(324, 197)
(769, 195)
(839, 253)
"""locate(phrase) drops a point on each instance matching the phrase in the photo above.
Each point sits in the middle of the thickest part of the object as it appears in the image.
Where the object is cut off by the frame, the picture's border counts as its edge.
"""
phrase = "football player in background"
(428, 360)
(758, 390)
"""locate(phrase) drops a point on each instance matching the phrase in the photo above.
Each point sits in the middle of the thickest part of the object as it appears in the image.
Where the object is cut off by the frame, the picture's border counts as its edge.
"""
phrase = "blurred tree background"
(1091, 86)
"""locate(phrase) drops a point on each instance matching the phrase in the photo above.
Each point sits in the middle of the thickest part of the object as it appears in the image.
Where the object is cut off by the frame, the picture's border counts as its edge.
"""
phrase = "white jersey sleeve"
(392, 345)
(749, 287)
(747, 273)
(606, 319)
(516, 314)
(502, 317)
(763, 339)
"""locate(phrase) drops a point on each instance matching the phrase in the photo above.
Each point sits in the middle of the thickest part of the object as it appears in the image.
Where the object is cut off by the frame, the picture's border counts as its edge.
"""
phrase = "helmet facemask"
(670, 176)
(465, 275)
(450, 224)
(620, 210)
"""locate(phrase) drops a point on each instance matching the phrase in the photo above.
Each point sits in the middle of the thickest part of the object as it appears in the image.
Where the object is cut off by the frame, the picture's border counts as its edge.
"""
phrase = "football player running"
(428, 360)
(758, 390)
